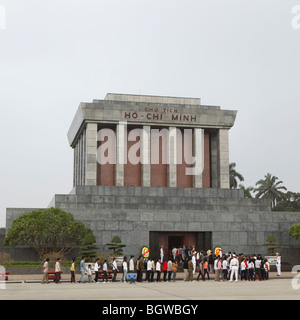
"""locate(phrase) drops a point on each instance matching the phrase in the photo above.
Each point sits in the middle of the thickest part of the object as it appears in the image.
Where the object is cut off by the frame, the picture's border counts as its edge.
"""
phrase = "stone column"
(145, 156)
(224, 159)
(91, 154)
(214, 153)
(172, 161)
(84, 156)
(120, 153)
(77, 164)
(198, 137)
(75, 167)
(80, 159)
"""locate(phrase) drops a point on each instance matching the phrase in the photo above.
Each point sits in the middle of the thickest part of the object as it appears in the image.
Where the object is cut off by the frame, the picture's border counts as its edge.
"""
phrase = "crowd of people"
(196, 265)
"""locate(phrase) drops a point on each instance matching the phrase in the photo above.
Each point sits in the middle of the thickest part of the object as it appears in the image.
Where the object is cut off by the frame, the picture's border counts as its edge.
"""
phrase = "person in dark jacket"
(185, 268)
(262, 269)
(190, 270)
(211, 263)
(140, 269)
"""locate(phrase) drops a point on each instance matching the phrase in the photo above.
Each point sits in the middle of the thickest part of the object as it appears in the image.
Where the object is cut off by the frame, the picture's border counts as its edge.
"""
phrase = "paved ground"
(273, 289)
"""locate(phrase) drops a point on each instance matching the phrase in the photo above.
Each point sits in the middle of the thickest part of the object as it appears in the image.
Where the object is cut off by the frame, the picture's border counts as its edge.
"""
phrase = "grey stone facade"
(137, 214)
(148, 111)
(237, 224)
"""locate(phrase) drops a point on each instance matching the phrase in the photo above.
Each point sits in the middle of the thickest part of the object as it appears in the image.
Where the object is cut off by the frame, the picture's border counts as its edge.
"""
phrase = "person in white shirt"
(161, 254)
(115, 269)
(131, 264)
(194, 262)
(234, 268)
(218, 269)
(251, 268)
(158, 270)
(45, 271)
(89, 273)
(174, 251)
(96, 269)
(57, 270)
(131, 269)
(149, 270)
(104, 268)
(170, 269)
(243, 270)
(225, 270)
(125, 267)
(278, 264)
(215, 264)
(257, 268)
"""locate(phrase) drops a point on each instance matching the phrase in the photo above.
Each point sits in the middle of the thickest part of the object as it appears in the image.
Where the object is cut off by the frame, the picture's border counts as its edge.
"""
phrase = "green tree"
(88, 247)
(291, 196)
(5, 259)
(116, 245)
(49, 230)
(288, 206)
(272, 244)
(247, 191)
(294, 231)
(269, 188)
(104, 255)
(290, 202)
(234, 176)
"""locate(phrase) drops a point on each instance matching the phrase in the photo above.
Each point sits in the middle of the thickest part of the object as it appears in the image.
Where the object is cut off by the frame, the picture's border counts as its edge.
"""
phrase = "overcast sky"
(54, 54)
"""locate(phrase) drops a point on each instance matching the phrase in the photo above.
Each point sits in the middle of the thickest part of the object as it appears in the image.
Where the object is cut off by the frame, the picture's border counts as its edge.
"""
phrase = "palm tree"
(234, 175)
(269, 188)
(247, 191)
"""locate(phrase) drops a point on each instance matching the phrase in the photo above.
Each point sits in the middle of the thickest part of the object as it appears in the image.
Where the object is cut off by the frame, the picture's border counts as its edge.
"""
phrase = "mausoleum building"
(155, 171)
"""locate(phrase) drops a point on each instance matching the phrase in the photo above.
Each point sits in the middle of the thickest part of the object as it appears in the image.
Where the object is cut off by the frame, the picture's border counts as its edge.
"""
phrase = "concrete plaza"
(273, 289)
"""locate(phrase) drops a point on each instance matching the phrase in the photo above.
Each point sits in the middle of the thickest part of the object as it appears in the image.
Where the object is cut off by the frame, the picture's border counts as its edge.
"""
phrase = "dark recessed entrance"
(175, 241)
(169, 240)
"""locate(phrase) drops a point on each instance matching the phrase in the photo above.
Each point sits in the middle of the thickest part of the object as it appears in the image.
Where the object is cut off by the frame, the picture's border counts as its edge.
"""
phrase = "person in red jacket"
(165, 269)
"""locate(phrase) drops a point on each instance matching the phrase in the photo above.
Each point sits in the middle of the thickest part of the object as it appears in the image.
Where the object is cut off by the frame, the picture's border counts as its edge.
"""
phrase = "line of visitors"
(226, 267)
(198, 265)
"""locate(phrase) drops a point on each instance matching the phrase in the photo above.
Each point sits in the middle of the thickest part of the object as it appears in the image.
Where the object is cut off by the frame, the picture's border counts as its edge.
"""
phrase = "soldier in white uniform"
(234, 268)
(278, 264)
(161, 254)
(194, 262)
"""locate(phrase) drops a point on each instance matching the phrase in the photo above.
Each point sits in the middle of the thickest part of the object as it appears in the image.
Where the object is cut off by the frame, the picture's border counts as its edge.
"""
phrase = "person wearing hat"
(278, 264)
(234, 268)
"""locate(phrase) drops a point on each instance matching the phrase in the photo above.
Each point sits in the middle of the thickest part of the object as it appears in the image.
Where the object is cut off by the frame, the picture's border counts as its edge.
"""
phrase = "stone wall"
(237, 224)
